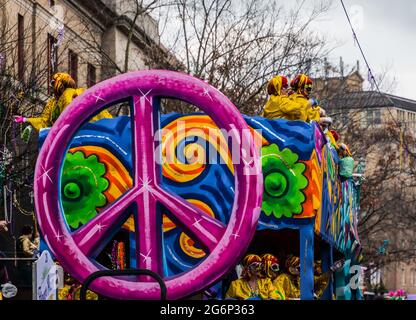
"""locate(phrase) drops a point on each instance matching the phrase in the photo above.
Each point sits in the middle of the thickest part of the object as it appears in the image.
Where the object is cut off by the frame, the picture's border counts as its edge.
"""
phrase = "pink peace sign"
(224, 244)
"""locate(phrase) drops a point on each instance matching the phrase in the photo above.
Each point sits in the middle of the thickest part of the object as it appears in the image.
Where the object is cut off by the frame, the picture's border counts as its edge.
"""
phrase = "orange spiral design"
(186, 243)
(205, 130)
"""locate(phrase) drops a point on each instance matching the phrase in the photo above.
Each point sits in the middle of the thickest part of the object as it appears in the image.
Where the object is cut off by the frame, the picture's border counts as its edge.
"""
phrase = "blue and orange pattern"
(300, 171)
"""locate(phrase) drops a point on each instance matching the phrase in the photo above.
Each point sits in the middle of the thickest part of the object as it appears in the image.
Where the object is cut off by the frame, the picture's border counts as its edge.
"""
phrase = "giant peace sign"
(77, 249)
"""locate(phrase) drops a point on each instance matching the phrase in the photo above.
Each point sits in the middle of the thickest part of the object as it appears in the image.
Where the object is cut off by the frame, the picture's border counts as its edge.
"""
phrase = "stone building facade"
(87, 39)
(350, 105)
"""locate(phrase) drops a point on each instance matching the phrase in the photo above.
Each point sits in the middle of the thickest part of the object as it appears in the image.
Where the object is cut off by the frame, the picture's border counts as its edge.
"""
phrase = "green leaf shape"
(284, 181)
(82, 187)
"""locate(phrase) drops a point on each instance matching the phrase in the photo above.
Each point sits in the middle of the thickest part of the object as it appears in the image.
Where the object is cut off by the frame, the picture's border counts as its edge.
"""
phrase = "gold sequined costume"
(270, 270)
(241, 289)
(290, 282)
(280, 105)
(301, 87)
(65, 91)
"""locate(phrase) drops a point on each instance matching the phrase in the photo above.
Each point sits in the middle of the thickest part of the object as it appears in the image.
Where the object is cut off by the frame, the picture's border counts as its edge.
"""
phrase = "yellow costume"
(321, 281)
(65, 91)
(290, 285)
(270, 270)
(309, 113)
(73, 292)
(290, 282)
(301, 88)
(240, 289)
(280, 105)
(332, 140)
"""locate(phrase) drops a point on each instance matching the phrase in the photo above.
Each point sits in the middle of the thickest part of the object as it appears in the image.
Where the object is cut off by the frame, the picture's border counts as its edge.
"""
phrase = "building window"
(401, 116)
(73, 65)
(403, 275)
(373, 117)
(20, 47)
(52, 59)
(414, 277)
(377, 117)
(51, 3)
(91, 75)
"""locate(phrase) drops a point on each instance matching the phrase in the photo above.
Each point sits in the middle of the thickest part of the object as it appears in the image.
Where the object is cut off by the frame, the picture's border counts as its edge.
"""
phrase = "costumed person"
(271, 271)
(64, 90)
(326, 122)
(27, 247)
(321, 280)
(301, 87)
(252, 286)
(336, 137)
(346, 163)
(289, 281)
(279, 104)
(72, 290)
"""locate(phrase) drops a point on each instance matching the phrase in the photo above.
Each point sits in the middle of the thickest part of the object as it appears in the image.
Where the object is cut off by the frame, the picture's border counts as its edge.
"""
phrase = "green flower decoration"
(283, 182)
(82, 188)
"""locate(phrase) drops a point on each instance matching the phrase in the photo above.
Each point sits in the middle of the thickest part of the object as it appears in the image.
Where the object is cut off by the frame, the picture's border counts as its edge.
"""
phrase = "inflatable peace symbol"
(224, 244)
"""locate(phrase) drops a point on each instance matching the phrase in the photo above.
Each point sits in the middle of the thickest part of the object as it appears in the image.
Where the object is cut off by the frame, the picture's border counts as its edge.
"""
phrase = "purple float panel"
(225, 243)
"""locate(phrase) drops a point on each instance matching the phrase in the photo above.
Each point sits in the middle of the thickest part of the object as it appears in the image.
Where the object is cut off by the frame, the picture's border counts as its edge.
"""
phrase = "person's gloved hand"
(27, 132)
(337, 265)
(19, 119)
(314, 102)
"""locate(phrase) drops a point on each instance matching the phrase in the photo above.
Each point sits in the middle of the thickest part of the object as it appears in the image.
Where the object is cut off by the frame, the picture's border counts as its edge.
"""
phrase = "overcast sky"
(387, 32)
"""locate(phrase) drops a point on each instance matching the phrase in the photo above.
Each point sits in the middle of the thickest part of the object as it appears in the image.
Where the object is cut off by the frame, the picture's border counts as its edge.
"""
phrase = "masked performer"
(252, 285)
(301, 87)
(65, 90)
(279, 104)
(321, 280)
(72, 290)
(346, 163)
(290, 281)
(271, 271)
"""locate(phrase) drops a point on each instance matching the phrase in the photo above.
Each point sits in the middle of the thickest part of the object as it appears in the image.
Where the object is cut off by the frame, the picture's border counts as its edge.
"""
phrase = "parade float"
(186, 196)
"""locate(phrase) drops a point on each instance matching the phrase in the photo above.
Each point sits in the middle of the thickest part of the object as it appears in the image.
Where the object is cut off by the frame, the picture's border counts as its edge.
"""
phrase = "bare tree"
(387, 197)
(237, 46)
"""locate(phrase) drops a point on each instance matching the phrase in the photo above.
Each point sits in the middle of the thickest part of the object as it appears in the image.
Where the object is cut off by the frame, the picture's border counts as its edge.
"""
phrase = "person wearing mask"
(346, 162)
(252, 285)
(271, 271)
(65, 91)
(289, 281)
(279, 104)
(301, 88)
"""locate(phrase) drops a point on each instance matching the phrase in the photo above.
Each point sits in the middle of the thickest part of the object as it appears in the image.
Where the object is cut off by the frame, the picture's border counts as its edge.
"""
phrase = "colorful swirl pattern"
(299, 168)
